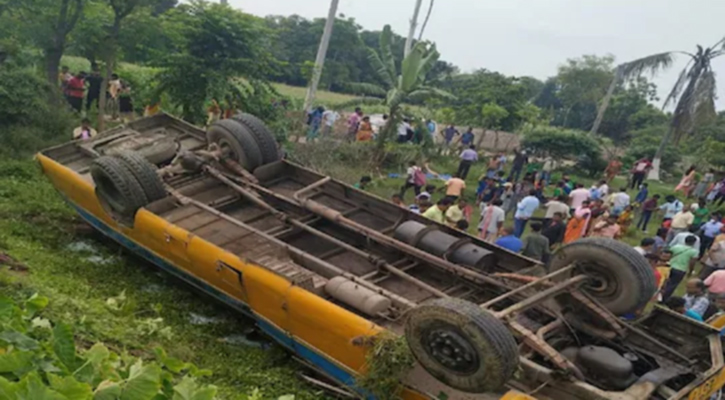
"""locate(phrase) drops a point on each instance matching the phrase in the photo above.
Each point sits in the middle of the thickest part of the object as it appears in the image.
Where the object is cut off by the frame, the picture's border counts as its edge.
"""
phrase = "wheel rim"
(228, 149)
(602, 283)
(448, 346)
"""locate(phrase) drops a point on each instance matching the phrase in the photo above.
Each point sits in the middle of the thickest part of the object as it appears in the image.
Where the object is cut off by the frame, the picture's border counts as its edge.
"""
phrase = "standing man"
(329, 117)
(546, 169)
(709, 231)
(681, 222)
(671, 207)
(536, 245)
(520, 159)
(95, 80)
(612, 169)
(492, 218)
(639, 171)
(556, 228)
(63, 77)
(648, 207)
(555, 206)
(681, 265)
(353, 124)
(449, 133)
(467, 137)
(578, 196)
(524, 211)
(454, 187)
(468, 157)
(75, 91)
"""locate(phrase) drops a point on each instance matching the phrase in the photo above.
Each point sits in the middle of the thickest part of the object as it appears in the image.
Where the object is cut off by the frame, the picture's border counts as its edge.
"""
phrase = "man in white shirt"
(681, 222)
(329, 118)
(492, 218)
(603, 189)
(403, 131)
(578, 196)
(557, 205)
(645, 246)
(620, 201)
(679, 238)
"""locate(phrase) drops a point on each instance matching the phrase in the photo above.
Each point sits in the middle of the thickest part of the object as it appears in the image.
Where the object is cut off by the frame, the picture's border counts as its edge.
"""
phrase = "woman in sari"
(578, 224)
(687, 181)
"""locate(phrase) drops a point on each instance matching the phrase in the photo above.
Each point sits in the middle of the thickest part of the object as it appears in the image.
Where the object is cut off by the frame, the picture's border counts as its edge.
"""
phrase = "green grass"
(37, 228)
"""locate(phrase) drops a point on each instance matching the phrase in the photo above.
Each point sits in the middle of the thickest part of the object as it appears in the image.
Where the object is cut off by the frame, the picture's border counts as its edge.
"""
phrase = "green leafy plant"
(388, 361)
(39, 361)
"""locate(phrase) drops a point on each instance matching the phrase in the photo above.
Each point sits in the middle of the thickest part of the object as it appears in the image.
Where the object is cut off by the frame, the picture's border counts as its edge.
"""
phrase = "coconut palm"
(693, 93)
(398, 87)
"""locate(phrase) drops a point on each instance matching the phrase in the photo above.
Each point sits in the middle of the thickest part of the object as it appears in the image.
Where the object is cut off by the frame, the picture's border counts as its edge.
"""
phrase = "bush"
(566, 144)
(39, 360)
(32, 112)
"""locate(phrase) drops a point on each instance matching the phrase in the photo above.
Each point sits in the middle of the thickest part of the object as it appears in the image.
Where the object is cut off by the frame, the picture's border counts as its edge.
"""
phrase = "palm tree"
(398, 87)
(693, 93)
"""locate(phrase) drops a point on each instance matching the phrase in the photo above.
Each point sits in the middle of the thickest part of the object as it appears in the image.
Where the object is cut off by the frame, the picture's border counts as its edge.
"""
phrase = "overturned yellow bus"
(321, 265)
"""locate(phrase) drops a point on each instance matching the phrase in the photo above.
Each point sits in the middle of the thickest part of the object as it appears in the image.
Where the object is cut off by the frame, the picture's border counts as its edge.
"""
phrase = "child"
(363, 183)
(397, 200)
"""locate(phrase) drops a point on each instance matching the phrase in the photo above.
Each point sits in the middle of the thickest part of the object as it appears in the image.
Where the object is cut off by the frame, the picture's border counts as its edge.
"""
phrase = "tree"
(693, 94)
(121, 10)
(410, 84)
(582, 82)
(219, 47)
(48, 23)
(476, 90)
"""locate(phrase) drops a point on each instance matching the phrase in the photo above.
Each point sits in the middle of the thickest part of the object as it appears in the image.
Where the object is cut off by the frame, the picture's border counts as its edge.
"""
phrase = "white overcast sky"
(533, 37)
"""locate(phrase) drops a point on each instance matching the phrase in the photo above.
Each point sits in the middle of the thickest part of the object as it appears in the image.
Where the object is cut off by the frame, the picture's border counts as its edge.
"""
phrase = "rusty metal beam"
(538, 297)
(527, 286)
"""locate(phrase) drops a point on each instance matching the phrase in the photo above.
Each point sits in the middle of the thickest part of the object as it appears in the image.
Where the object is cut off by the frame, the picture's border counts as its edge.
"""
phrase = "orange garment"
(365, 133)
(576, 228)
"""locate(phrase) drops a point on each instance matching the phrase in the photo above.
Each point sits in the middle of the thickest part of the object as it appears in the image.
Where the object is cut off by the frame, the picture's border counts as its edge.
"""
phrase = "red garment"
(75, 87)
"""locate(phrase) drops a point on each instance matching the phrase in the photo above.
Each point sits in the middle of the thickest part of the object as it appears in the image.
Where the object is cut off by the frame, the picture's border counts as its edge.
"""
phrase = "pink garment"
(586, 214)
(716, 282)
(578, 196)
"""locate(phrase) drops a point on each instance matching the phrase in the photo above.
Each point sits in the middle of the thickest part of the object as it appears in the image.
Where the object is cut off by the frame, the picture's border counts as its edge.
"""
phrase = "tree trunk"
(411, 31)
(321, 53)
(605, 101)
(52, 64)
(495, 140)
(654, 173)
(110, 60)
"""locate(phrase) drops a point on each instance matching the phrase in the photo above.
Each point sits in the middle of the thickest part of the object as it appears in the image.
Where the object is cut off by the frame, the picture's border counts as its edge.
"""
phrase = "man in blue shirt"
(449, 133)
(508, 241)
(524, 211)
(709, 231)
(467, 137)
(468, 157)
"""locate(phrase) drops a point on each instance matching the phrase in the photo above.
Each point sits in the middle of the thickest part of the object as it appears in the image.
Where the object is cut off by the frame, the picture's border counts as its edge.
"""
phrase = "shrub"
(566, 144)
(32, 113)
(39, 360)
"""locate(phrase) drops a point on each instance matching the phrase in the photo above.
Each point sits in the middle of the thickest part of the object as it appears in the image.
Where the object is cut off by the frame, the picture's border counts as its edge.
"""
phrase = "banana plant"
(397, 87)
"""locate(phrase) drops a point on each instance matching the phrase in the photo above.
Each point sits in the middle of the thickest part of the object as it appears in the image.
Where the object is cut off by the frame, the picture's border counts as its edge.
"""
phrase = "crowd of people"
(690, 229)
(82, 91)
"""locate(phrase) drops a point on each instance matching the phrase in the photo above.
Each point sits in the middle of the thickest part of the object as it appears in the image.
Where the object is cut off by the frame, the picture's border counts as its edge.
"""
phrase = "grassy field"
(113, 297)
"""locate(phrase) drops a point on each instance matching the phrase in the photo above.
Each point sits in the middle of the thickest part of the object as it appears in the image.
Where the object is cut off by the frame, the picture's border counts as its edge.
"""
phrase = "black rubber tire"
(145, 174)
(630, 280)
(487, 351)
(120, 194)
(237, 138)
(262, 135)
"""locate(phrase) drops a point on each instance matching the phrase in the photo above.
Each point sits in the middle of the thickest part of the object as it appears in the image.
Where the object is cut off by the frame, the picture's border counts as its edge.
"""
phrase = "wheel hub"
(451, 350)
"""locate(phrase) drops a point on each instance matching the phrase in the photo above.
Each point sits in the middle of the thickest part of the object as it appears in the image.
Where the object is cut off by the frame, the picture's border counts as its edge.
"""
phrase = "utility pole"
(321, 54)
(413, 25)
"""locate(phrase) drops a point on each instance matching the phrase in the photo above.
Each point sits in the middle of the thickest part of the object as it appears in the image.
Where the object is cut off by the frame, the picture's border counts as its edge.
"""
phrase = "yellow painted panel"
(329, 329)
